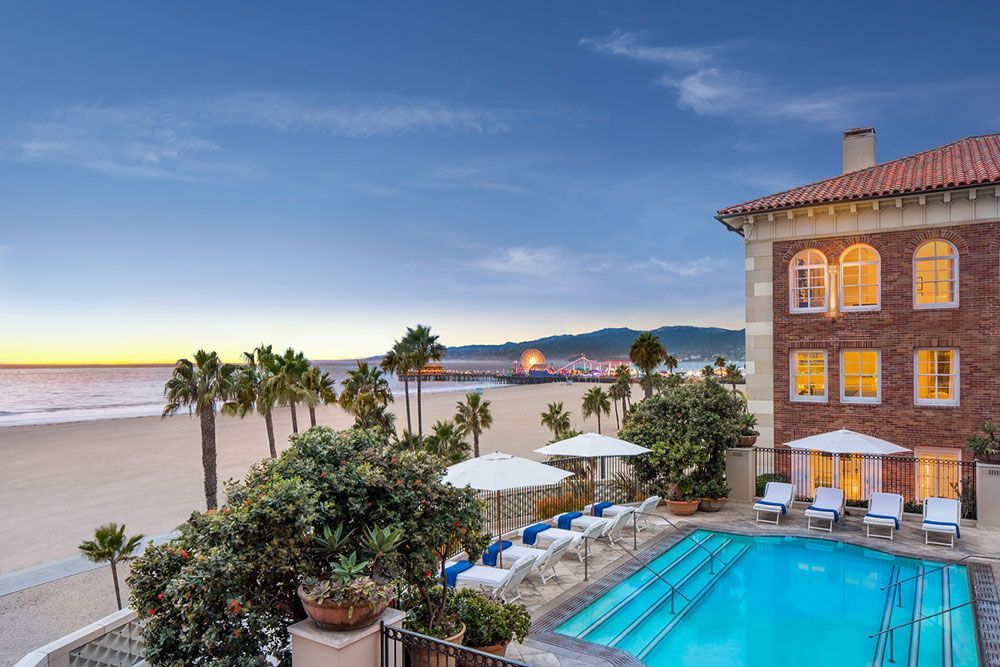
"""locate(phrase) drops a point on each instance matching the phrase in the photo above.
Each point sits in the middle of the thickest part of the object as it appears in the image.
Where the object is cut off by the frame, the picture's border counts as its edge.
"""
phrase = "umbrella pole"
(593, 490)
(499, 528)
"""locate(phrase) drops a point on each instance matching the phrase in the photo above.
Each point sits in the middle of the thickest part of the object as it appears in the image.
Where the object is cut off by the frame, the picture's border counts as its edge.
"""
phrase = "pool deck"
(550, 604)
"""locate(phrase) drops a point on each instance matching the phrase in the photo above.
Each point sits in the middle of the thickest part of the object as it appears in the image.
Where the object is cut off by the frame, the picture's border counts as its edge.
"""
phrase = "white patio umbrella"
(592, 445)
(498, 472)
(846, 442)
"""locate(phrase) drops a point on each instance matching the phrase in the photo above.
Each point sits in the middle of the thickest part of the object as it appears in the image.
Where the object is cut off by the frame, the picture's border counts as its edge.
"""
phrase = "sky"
(317, 175)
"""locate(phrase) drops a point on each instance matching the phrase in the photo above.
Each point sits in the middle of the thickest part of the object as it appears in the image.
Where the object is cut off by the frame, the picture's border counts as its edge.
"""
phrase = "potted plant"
(748, 430)
(985, 446)
(490, 624)
(714, 494)
(353, 594)
(683, 501)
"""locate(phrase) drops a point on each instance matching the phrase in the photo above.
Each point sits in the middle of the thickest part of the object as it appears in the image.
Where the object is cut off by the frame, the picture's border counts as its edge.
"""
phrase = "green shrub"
(490, 622)
(762, 480)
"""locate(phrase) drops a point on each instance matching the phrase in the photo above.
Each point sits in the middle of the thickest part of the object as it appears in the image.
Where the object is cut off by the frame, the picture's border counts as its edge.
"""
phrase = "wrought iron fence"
(609, 478)
(403, 648)
(860, 475)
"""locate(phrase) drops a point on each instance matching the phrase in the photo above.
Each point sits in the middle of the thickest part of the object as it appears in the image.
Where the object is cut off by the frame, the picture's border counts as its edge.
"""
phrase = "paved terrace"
(550, 603)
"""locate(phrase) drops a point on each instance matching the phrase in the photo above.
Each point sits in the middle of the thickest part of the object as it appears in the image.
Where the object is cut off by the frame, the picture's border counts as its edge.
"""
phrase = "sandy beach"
(60, 481)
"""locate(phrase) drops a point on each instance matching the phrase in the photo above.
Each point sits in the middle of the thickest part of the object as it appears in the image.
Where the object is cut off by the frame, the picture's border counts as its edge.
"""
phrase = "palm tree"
(111, 546)
(623, 378)
(319, 388)
(734, 375)
(556, 419)
(398, 360)
(423, 347)
(473, 416)
(708, 372)
(366, 395)
(647, 352)
(670, 361)
(255, 390)
(595, 402)
(615, 393)
(446, 441)
(291, 366)
(720, 363)
(198, 386)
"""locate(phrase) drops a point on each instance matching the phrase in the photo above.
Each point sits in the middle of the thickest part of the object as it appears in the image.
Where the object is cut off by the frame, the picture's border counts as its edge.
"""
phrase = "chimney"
(859, 149)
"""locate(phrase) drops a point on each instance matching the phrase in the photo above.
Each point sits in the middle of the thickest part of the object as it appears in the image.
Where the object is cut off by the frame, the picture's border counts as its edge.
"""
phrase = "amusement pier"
(530, 368)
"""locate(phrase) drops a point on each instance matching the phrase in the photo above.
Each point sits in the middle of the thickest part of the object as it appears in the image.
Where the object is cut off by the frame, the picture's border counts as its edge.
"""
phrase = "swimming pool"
(759, 601)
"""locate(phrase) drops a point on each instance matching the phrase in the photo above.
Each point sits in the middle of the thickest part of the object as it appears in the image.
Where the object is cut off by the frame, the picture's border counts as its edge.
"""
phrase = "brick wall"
(896, 329)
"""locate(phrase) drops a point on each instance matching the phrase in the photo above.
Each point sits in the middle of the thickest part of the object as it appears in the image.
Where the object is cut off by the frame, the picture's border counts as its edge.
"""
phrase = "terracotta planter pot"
(682, 507)
(748, 440)
(496, 649)
(712, 504)
(988, 458)
(338, 616)
(429, 658)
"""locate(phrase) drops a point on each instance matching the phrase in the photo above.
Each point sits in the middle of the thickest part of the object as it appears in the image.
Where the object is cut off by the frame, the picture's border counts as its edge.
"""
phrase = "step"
(602, 608)
(664, 601)
(930, 633)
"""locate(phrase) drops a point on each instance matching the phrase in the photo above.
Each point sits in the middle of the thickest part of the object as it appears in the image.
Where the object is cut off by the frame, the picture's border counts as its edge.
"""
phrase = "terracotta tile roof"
(966, 162)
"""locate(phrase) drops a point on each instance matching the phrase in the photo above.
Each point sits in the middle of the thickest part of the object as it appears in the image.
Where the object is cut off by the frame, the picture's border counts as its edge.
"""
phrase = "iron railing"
(860, 475)
(404, 648)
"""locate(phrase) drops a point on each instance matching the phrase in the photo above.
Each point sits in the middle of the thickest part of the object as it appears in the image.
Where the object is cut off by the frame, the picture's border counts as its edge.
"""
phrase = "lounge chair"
(642, 512)
(884, 510)
(548, 534)
(497, 582)
(545, 559)
(581, 521)
(942, 515)
(827, 506)
(777, 500)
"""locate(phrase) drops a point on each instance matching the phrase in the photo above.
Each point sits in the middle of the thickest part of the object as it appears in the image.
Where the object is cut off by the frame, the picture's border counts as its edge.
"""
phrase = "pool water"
(759, 601)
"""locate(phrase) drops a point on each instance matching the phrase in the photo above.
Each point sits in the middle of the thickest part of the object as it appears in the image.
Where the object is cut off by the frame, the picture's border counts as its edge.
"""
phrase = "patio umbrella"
(592, 445)
(498, 472)
(846, 442)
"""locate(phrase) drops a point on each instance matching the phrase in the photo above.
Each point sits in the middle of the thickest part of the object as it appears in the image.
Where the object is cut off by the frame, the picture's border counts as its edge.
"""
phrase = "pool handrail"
(939, 568)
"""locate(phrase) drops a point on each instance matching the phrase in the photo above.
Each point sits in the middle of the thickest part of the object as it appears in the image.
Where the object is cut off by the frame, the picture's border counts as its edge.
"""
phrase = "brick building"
(873, 300)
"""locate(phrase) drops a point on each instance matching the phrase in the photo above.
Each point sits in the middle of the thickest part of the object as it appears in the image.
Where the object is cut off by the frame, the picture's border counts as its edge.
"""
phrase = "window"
(808, 382)
(807, 282)
(935, 275)
(860, 372)
(860, 279)
(936, 376)
(937, 473)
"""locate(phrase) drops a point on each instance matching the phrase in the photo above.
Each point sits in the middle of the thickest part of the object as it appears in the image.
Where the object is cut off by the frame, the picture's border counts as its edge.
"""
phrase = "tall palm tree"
(112, 547)
(473, 416)
(720, 363)
(366, 395)
(734, 375)
(670, 361)
(292, 366)
(255, 390)
(398, 360)
(623, 378)
(198, 386)
(319, 388)
(446, 441)
(647, 352)
(595, 402)
(423, 347)
(615, 393)
(708, 372)
(556, 419)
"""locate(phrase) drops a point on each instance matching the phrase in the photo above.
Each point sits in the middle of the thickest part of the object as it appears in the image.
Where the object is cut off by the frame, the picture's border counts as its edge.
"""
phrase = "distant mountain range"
(685, 343)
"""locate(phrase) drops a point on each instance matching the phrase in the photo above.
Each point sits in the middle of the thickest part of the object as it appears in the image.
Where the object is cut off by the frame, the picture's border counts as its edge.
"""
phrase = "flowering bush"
(224, 591)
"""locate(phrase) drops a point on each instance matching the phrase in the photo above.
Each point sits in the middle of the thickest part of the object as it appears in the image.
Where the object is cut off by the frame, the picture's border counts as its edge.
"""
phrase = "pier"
(502, 378)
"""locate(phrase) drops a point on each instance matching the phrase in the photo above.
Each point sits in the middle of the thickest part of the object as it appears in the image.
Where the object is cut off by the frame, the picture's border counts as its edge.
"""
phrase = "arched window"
(860, 278)
(807, 282)
(935, 275)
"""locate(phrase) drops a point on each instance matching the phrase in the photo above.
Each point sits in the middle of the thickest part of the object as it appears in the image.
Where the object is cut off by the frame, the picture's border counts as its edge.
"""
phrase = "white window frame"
(955, 276)
(844, 398)
(793, 282)
(795, 398)
(840, 281)
(938, 402)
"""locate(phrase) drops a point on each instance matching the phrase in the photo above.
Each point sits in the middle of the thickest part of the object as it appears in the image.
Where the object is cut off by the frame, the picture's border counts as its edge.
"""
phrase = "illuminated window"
(860, 286)
(820, 471)
(808, 376)
(851, 476)
(935, 275)
(936, 381)
(807, 282)
(859, 376)
(937, 473)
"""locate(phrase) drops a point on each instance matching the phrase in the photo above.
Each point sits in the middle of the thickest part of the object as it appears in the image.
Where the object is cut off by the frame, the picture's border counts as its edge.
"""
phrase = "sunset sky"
(184, 175)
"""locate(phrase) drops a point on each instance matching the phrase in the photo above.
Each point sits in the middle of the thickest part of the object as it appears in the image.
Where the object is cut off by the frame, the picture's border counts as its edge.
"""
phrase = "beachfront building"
(873, 300)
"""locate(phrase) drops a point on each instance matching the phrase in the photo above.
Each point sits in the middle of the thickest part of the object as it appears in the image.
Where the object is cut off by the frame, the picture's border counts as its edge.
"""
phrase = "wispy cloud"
(523, 261)
(626, 44)
(686, 268)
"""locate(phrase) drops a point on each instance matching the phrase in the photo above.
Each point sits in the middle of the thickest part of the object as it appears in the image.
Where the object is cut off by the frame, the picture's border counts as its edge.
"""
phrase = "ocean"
(54, 395)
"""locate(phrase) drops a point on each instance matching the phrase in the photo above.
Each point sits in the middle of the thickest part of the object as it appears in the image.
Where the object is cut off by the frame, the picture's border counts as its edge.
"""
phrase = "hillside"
(684, 342)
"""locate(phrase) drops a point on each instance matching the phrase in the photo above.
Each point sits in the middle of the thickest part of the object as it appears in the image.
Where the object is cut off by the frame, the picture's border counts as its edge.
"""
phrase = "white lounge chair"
(942, 515)
(545, 559)
(642, 512)
(550, 535)
(497, 582)
(827, 506)
(777, 500)
(884, 510)
(584, 521)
